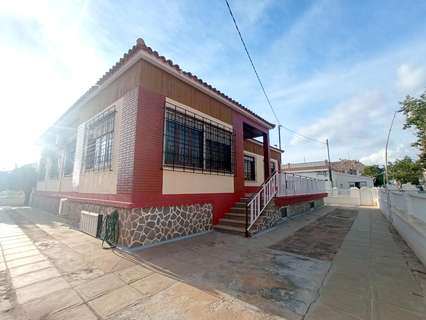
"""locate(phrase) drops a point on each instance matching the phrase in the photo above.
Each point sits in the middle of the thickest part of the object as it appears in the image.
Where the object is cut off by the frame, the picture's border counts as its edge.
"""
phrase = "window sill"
(197, 171)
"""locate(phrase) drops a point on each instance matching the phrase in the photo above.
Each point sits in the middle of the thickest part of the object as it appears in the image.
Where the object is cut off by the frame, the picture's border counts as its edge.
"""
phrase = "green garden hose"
(110, 230)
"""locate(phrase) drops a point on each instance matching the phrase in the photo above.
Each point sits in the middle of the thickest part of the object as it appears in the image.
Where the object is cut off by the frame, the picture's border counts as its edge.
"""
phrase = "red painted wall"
(144, 143)
(282, 201)
(148, 175)
(116, 200)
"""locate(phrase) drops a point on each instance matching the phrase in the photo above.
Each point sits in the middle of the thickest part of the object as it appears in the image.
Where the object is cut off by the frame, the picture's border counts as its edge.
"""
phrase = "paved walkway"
(374, 276)
(49, 271)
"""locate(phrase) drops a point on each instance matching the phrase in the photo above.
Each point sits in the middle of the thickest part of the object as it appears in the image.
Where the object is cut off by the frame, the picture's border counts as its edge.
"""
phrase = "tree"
(23, 179)
(376, 173)
(406, 171)
(4, 180)
(415, 113)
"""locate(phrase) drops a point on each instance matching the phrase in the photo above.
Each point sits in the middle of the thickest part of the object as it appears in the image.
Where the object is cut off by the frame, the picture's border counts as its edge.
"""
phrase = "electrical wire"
(303, 136)
(260, 81)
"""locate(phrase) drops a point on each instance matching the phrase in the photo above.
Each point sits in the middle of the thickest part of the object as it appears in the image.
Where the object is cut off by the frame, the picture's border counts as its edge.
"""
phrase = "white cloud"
(397, 152)
(249, 15)
(357, 129)
(411, 79)
(347, 121)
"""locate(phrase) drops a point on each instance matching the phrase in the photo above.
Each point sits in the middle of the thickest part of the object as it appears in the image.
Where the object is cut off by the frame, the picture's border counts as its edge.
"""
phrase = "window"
(100, 134)
(42, 169)
(249, 168)
(273, 167)
(69, 158)
(192, 142)
(218, 149)
(53, 167)
(184, 141)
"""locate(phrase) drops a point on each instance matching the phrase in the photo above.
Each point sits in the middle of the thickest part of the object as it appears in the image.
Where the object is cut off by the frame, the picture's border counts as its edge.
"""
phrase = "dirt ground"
(334, 263)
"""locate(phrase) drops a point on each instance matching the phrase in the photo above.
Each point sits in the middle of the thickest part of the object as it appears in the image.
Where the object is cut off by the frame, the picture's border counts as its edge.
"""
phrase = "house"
(169, 152)
(345, 173)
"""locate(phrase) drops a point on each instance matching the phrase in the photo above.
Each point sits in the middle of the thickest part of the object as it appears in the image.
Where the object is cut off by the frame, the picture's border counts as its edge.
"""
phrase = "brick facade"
(140, 92)
(126, 152)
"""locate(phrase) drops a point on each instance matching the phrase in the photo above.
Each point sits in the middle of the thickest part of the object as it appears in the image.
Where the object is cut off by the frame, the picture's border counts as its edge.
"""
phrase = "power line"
(260, 81)
(251, 61)
(303, 136)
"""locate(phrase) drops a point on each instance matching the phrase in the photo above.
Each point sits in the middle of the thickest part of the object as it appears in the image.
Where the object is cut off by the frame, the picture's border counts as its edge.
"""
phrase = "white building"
(345, 173)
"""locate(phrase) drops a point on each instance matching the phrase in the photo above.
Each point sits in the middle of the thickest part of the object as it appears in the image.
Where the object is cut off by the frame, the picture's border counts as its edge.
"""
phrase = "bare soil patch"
(322, 238)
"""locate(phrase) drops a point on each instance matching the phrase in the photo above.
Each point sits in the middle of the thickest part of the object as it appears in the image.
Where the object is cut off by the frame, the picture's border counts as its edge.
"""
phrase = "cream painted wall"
(260, 171)
(181, 182)
(99, 182)
(188, 182)
(105, 181)
(66, 184)
(93, 181)
(48, 185)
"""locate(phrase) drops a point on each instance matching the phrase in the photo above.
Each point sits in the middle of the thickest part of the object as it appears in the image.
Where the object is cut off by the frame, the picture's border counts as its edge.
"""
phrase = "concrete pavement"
(373, 276)
(49, 271)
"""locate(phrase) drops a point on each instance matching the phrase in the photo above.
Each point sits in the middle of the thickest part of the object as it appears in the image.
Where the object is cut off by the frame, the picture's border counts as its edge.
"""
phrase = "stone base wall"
(270, 217)
(273, 215)
(152, 225)
(139, 226)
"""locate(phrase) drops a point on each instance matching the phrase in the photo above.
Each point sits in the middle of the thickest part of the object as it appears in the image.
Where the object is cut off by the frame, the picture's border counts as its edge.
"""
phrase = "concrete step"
(238, 210)
(239, 205)
(235, 216)
(229, 229)
(231, 222)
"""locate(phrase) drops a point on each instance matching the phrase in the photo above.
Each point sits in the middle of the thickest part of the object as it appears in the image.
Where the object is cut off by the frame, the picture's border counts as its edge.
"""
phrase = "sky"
(333, 69)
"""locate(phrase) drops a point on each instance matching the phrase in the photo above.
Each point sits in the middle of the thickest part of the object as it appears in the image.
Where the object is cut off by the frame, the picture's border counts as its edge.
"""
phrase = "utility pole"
(329, 163)
(279, 136)
(386, 151)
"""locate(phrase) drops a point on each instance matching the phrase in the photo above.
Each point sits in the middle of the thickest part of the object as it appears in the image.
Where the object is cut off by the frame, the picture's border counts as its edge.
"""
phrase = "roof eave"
(142, 53)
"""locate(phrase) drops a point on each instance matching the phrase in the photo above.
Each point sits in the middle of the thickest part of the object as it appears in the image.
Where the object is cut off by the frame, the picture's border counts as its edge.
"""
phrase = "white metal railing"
(291, 184)
(258, 202)
(281, 185)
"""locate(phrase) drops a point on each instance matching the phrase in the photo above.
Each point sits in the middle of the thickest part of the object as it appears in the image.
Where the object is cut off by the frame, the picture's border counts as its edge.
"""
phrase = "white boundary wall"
(407, 212)
(12, 198)
(353, 197)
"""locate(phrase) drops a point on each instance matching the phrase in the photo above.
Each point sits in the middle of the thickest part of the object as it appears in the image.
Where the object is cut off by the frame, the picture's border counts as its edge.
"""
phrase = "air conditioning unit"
(91, 223)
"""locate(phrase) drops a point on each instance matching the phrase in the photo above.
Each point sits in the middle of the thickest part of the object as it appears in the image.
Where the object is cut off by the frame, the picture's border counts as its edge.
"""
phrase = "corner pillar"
(266, 156)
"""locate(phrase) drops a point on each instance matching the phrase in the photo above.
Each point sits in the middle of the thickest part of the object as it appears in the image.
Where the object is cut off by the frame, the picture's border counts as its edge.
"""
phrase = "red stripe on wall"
(221, 202)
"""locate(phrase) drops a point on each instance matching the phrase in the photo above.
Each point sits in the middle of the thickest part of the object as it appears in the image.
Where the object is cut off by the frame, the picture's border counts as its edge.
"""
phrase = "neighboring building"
(166, 150)
(353, 167)
(345, 173)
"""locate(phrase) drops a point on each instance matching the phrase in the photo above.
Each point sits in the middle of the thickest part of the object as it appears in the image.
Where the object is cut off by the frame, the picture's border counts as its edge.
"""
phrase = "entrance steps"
(234, 221)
